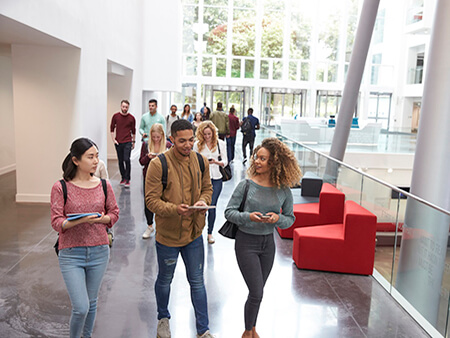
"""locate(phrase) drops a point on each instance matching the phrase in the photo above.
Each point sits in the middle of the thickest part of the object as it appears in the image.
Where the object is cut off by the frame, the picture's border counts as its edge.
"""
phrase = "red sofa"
(330, 209)
(347, 247)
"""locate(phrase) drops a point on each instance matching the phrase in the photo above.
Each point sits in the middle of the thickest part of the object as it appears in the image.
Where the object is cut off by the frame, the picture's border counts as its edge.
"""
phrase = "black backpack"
(165, 169)
(247, 127)
(64, 189)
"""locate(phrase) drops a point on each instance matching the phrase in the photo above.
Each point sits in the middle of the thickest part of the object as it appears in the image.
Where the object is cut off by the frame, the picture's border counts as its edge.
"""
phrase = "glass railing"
(409, 229)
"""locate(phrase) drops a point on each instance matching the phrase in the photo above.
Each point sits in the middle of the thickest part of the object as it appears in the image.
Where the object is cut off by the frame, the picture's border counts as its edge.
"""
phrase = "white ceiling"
(13, 32)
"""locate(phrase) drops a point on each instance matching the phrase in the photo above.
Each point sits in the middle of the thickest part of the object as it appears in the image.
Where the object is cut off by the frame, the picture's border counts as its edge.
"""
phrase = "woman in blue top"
(187, 115)
(273, 169)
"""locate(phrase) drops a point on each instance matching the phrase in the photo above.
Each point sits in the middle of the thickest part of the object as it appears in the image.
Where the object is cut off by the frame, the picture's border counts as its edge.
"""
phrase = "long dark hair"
(77, 149)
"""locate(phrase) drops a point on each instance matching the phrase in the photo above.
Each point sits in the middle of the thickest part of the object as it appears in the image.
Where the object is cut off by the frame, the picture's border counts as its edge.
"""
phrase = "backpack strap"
(200, 162)
(105, 189)
(165, 169)
(64, 189)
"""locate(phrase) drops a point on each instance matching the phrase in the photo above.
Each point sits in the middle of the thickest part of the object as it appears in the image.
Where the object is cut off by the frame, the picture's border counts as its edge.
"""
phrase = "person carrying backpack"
(178, 192)
(83, 242)
(248, 126)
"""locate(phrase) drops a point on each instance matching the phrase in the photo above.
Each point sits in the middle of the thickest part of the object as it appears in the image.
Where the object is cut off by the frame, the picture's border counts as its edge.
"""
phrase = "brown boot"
(254, 334)
(247, 334)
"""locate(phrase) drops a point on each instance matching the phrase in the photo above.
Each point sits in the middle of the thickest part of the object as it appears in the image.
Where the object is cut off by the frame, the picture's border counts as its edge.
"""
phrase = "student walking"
(231, 139)
(156, 145)
(123, 133)
(214, 149)
(273, 169)
(187, 115)
(83, 243)
(179, 225)
(248, 126)
(220, 120)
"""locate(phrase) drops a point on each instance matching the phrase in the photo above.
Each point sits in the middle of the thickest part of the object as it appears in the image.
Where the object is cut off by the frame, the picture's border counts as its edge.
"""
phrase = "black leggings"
(255, 255)
(148, 213)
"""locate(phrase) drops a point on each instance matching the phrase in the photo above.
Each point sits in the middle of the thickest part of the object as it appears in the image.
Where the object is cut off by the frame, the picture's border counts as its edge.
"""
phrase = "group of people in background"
(181, 159)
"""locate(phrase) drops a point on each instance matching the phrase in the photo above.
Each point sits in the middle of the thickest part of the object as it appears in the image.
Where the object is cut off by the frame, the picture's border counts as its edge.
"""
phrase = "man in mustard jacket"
(178, 227)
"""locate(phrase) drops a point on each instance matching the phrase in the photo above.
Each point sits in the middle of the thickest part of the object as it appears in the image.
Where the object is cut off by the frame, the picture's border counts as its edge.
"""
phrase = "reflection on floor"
(297, 303)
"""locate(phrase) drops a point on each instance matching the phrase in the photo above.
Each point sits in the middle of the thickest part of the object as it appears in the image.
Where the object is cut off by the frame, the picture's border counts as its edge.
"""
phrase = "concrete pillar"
(352, 84)
(424, 244)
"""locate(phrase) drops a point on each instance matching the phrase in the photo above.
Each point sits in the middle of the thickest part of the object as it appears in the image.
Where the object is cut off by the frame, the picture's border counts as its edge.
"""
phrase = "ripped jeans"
(193, 256)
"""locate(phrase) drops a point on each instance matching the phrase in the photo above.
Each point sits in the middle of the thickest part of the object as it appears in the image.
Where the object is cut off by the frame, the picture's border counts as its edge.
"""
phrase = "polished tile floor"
(297, 303)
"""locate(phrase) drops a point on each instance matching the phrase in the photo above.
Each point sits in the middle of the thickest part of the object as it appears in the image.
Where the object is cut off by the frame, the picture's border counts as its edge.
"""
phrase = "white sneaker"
(211, 239)
(148, 232)
(163, 330)
(207, 334)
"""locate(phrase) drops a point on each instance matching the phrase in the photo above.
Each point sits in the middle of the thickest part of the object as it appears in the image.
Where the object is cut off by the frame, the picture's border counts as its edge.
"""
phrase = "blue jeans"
(231, 142)
(193, 256)
(123, 155)
(83, 269)
(217, 189)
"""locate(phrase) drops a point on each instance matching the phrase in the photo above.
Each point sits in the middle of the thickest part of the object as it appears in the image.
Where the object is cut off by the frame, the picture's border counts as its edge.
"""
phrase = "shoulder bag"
(225, 171)
(229, 229)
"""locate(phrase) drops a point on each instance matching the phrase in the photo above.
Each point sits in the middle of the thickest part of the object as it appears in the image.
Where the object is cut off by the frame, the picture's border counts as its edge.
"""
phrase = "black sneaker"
(244, 161)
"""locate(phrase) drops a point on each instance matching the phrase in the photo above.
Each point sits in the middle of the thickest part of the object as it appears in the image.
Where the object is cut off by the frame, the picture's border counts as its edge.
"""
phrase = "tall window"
(378, 30)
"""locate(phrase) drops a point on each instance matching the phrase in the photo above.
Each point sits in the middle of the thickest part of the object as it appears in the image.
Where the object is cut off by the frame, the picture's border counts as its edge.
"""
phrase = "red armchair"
(330, 209)
(348, 247)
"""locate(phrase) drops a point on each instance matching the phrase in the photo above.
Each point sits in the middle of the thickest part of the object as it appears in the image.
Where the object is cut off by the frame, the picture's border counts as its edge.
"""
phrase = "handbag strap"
(244, 198)
(218, 147)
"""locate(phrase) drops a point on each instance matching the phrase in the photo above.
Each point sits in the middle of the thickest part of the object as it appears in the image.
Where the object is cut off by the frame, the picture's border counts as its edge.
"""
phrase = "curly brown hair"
(199, 134)
(285, 171)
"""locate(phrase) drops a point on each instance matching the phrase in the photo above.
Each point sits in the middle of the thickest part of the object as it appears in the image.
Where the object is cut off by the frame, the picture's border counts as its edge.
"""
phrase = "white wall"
(62, 93)
(45, 81)
(163, 41)
(7, 141)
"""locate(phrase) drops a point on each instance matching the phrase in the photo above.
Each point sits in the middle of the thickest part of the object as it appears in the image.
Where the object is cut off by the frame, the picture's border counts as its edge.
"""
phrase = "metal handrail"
(393, 187)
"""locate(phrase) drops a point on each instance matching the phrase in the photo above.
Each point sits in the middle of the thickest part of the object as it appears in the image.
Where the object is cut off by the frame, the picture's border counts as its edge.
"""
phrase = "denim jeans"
(82, 269)
(255, 255)
(193, 256)
(231, 141)
(217, 189)
(123, 155)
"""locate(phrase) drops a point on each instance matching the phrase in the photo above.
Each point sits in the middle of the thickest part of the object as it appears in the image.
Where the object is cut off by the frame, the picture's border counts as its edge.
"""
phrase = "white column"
(353, 82)
(425, 233)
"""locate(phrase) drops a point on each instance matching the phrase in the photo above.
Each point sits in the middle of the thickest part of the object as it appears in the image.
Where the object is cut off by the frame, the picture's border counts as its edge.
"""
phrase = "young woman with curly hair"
(273, 170)
(215, 150)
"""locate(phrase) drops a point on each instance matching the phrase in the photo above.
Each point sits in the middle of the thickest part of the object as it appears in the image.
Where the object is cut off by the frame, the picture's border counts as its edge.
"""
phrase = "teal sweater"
(264, 200)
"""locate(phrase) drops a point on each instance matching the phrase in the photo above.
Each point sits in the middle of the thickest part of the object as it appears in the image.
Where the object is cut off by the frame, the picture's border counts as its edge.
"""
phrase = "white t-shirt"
(169, 120)
(214, 171)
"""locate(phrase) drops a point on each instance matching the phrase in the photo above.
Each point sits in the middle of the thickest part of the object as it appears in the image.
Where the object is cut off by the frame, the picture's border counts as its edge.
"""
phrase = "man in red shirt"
(231, 138)
(123, 133)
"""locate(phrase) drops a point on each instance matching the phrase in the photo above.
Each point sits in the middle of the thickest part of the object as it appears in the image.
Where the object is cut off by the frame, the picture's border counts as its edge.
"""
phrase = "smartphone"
(210, 159)
(265, 216)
